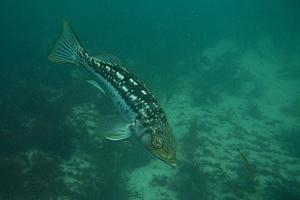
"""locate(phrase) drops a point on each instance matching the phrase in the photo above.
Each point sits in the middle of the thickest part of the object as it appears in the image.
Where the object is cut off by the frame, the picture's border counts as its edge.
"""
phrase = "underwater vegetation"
(219, 77)
(31, 176)
(43, 175)
(36, 120)
(290, 140)
(34, 142)
(192, 140)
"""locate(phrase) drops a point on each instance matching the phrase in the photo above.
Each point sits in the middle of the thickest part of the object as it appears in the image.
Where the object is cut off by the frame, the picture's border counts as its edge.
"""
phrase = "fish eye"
(157, 142)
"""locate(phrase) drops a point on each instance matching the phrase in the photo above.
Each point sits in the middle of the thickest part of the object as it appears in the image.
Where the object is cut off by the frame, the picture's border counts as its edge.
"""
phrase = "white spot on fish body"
(144, 114)
(119, 75)
(133, 97)
(144, 92)
(132, 81)
(125, 88)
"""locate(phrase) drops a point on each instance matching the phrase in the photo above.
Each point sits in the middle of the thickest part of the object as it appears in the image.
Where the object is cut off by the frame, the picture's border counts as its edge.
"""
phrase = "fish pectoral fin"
(97, 85)
(119, 133)
(108, 58)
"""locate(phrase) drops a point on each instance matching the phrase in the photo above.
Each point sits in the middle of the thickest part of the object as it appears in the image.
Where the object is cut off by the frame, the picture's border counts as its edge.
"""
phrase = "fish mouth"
(169, 159)
(171, 162)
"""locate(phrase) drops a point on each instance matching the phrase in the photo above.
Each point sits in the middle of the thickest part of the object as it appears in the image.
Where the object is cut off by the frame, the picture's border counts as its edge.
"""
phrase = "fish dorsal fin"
(97, 85)
(119, 133)
(108, 58)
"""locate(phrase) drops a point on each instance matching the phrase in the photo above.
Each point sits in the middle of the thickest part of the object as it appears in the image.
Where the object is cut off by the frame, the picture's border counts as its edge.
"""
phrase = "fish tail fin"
(67, 48)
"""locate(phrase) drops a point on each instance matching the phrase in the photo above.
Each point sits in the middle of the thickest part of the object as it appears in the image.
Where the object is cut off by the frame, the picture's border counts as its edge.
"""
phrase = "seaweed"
(43, 176)
(30, 176)
(192, 139)
(34, 121)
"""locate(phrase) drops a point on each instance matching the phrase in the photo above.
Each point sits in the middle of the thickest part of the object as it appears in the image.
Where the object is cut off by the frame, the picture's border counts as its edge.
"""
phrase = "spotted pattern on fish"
(132, 98)
(125, 88)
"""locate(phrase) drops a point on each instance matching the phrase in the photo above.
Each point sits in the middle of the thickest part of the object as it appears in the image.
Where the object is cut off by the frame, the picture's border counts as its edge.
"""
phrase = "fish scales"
(143, 106)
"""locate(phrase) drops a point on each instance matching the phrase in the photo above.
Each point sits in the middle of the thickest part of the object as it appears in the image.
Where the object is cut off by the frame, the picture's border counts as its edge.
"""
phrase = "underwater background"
(226, 72)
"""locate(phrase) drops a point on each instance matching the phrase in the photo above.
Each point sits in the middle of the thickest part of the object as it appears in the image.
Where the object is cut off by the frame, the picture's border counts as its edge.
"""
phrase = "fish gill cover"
(225, 72)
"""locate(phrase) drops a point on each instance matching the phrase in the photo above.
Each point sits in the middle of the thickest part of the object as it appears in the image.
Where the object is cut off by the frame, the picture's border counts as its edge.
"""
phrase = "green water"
(227, 74)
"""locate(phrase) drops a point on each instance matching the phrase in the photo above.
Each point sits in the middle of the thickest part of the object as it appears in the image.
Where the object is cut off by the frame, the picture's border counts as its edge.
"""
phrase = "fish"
(144, 117)
(249, 168)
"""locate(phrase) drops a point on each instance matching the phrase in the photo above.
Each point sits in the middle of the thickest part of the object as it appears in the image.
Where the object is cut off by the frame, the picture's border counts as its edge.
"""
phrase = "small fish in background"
(145, 118)
(248, 168)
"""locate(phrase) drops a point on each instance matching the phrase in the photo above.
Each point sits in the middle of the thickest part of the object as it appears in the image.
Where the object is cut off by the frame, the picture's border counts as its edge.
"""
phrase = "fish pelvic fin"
(98, 86)
(67, 48)
(119, 133)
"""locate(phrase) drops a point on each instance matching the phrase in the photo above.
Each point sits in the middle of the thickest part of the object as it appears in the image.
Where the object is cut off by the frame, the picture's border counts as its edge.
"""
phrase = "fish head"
(160, 141)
